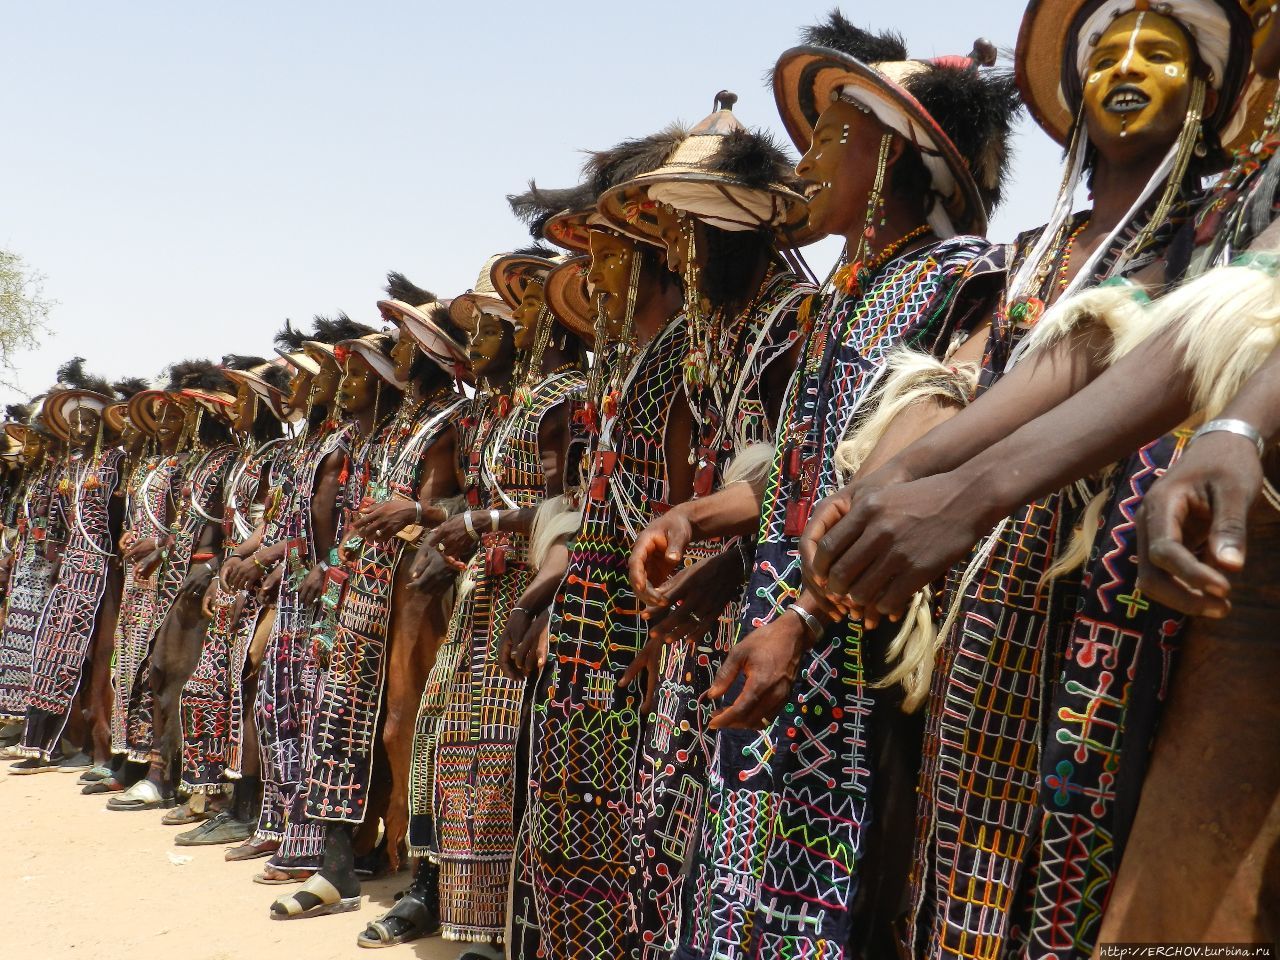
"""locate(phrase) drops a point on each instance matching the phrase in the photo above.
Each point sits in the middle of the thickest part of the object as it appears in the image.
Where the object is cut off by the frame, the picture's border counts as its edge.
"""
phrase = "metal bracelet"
(493, 520)
(469, 522)
(1240, 428)
(811, 623)
(417, 513)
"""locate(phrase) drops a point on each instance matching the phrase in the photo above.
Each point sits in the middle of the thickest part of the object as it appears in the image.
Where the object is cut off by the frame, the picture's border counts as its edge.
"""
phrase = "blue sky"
(186, 176)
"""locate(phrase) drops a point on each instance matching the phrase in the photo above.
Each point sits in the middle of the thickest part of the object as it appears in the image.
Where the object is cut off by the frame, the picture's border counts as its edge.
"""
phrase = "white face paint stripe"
(1133, 43)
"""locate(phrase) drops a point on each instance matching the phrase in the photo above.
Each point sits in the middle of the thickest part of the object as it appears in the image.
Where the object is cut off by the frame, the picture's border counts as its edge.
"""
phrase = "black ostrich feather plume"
(289, 338)
(339, 328)
(538, 205)
(18, 412)
(399, 287)
(535, 250)
(196, 375)
(837, 33)
(630, 158)
(242, 361)
(126, 388)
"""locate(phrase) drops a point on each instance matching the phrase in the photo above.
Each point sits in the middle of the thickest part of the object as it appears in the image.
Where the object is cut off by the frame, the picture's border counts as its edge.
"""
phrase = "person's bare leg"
(1203, 861)
(100, 700)
(417, 627)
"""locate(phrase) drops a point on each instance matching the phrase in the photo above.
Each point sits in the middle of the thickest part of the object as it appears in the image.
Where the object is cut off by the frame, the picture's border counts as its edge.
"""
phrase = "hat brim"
(567, 298)
(462, 307)
(379, 362)
(787, 210)
(804, 81)
(114, 416)
(569, 230)
(511, 276)
(440, 348)
(55, 408)
(271, 395)
(299, 361)
(143, 410)
(1045, 41)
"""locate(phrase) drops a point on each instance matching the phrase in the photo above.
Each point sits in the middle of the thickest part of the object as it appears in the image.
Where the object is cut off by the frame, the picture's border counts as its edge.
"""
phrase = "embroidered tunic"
(348, 701)
(141, 610)
(211, 706)
(575, 850)
(289, 666)
(1039, 688)
(71, 612)
(671, 772)
(463, 773)
(30, 580)
(786, 808)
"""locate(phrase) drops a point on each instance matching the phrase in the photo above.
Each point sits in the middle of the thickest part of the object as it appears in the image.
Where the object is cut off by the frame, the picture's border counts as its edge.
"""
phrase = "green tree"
(24, 312)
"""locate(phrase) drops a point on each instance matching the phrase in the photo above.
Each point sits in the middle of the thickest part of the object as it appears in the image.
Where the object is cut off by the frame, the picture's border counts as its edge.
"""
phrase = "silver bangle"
(417, 512)
(493, 520)
(1240, 428)
(811, 623)
(469, 523)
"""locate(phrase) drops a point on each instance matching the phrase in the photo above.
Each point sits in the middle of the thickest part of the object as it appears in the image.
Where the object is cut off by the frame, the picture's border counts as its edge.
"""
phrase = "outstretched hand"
(869, 548)
(1200, 506)
(768, 659)
(658, 552)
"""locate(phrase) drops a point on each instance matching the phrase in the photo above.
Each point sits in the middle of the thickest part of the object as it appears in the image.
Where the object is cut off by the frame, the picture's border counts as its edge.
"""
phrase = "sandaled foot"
(79, 763)
(410, 919)
(182, 815)
(94, 774)
(143, 795)
(278, 876)
(252, 850)
(11, 731)
(106, 785)
(33, 765)
(317, 898)
(374, 864)
(218, 829)
(481, 951)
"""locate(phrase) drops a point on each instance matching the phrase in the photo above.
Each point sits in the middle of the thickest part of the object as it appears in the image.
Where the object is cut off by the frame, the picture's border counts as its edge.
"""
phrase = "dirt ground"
(80, 881)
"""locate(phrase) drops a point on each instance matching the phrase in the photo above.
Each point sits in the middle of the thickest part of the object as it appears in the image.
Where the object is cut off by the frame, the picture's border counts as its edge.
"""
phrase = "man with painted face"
(584, 731)
(722, 206)
(299, 534)
(1017, 612)
(467, 727)
(898, 167)
(219, 743)
(405, 458)
(86, 517)
(197, 398)
(31, 575)
(158, 422)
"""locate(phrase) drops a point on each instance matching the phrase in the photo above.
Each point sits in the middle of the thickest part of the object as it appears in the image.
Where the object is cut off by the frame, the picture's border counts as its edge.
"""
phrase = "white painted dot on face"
(1095, 77)
(1172, 70)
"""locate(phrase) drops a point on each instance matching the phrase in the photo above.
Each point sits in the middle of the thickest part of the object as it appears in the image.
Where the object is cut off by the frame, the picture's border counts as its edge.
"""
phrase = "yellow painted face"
(674, 230)
(491, 345)
(359, 387)
(33, 448)
(840, 167)
(1137, 84)
(171, 417)
(244, 410)
(82, 425)
(1266, 39)
(299, 388)
(131, 438)
(527, 313)
(402, 355)
(612, 259)
(324, 385)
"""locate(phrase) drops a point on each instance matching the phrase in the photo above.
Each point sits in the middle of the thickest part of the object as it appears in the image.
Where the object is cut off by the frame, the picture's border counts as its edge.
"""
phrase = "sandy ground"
(80, 881)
